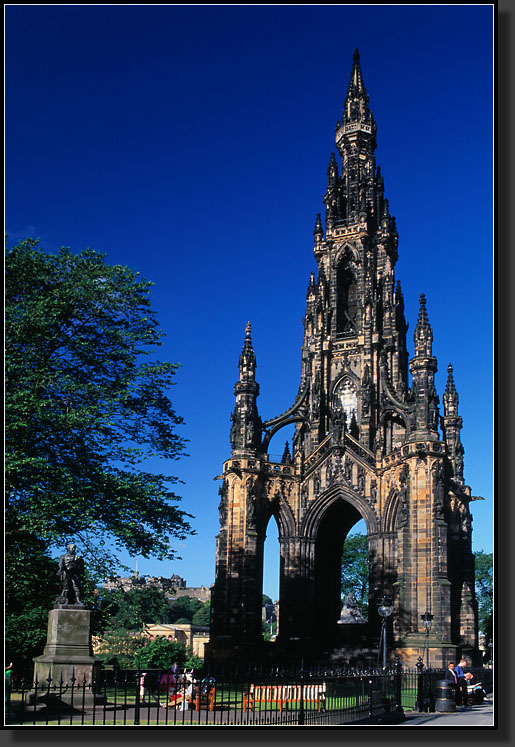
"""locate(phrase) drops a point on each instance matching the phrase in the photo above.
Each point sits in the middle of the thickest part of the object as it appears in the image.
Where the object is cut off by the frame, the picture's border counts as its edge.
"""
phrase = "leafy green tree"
(193, 662)
(119, 646)
(131, 609)
(484, 592)
(266, 600)
(184, 608)
(86, 407)
(160, 653)
(354, 569)
(203, 615)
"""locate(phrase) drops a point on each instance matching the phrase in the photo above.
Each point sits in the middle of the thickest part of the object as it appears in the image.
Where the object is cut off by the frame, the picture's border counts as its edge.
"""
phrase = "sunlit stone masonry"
(369, 444)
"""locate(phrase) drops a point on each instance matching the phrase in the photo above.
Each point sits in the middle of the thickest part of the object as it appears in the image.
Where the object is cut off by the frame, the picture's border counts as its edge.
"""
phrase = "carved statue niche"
(367, 393)
(329, 473)
(338, 424)
(433, 407)
(458, 459)
(465, 519)
(379, 443)
(361, 480)
(403, 496)
(222, 506)
(251, 504)
(233, 437)
(347, 470)
(249, 432)
(315, 397)
(252, 431)
(439, 492)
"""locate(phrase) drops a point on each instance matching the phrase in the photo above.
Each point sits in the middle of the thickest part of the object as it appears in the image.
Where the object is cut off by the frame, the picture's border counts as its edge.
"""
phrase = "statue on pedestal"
(68, 655)
(70, 572)
(351, 611)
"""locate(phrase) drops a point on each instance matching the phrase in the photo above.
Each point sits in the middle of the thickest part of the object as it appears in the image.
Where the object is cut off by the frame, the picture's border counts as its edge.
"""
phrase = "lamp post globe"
(385, 609)
(427, 620)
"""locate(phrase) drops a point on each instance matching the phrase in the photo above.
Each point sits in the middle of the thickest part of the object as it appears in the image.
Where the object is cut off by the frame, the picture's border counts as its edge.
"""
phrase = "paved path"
(476, 715)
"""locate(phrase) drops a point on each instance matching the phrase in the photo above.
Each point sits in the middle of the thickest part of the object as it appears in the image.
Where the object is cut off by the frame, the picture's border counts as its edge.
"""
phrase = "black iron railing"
(224, 696)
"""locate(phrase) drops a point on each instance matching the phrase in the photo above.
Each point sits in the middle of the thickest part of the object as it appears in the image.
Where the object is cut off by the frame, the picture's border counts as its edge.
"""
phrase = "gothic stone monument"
(368, 444)
(68, 652)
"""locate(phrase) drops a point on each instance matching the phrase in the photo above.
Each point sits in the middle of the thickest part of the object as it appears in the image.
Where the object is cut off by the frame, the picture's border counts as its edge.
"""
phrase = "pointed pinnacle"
(450, 388)
(247, 344)
(422, 314)
(356, 86)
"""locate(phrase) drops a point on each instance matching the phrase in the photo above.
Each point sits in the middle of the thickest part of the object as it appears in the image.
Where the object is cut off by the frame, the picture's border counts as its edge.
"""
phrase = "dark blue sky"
(191, 143)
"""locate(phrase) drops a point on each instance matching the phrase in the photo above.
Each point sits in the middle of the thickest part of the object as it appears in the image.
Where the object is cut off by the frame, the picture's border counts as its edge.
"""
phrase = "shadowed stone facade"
(367, 445)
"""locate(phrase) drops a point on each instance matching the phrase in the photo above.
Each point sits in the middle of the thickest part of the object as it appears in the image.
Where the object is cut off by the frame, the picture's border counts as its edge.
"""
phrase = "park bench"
(284, 695)
(197, 697)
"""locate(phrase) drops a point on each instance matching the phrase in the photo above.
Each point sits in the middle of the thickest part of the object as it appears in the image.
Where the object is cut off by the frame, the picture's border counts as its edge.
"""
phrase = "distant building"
(173, 587)
(194, 637)
(202, 593)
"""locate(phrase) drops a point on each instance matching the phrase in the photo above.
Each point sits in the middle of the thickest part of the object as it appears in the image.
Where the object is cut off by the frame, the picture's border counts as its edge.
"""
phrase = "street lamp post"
(427, 619)
(385, 610)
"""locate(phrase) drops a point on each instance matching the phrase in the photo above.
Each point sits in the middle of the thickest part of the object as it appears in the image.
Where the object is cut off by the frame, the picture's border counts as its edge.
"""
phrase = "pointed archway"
(327, 525)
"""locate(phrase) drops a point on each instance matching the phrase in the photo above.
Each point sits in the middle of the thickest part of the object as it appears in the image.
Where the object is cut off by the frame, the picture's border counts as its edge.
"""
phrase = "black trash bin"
(445, 697)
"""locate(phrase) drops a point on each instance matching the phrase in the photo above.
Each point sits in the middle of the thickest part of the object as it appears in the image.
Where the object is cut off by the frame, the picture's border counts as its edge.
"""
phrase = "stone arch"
(282, 424)
(325, 529)
(391, 511)
(316, 512)
(394, 428)
(346, 374)
(278, 507)
(346, 252)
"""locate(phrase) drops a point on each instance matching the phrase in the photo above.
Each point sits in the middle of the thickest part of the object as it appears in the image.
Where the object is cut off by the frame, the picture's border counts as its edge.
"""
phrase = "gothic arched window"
(347, 299)
(346, 397)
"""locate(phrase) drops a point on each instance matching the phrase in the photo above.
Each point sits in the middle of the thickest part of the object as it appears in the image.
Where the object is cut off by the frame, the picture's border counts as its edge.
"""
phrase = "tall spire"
(356, 87)
(423, 335)
(247, 358)
(452, 424)
(423, 367)
(332, 171)
(450, 390)
(246, 423)
(356, 107)
(356, 194)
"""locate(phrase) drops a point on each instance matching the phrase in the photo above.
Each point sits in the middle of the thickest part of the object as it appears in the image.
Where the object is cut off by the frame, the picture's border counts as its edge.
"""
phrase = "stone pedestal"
(68, 654)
